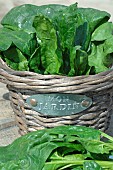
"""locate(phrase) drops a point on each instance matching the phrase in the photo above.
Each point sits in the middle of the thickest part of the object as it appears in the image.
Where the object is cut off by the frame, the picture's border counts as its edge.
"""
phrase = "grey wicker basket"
(22, 84)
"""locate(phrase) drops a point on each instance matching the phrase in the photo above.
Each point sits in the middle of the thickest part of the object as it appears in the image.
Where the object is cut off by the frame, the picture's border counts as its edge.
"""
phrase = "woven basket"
(22, 84)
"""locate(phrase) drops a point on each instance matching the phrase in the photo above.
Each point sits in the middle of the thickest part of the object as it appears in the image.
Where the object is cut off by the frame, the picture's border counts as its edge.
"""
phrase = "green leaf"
(15, 59)
(66, 23)
(96, 58)
(73, 31)
(108, 46)
(98, 146)
(35, 62)
(44, 150)
(21, 17)
(47, 39)
(49, 36)
(69, 23)
(101, 56)
(91, 165)
(73, 64)
(81, 61)
(78, 61)
(80, 131)
(22, 40)
(4, 42)
(96, 18)
(108, 51)
(103, 32)
(83, 34)
(77, 168)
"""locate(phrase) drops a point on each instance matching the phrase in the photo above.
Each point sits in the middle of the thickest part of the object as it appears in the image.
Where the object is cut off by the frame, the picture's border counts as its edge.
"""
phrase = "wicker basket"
(22, 84)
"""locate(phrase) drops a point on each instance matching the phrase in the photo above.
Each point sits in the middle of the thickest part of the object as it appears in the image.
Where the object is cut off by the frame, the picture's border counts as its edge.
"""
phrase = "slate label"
(57, 104)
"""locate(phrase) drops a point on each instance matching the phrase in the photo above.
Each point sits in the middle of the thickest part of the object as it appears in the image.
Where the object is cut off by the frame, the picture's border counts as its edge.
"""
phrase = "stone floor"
(8, 128)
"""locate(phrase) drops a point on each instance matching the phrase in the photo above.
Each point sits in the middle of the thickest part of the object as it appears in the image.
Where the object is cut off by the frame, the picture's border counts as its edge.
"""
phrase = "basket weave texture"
(22, 84)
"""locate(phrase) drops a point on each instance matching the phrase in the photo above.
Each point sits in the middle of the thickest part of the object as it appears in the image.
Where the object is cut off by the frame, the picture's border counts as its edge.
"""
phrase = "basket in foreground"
(22, 84)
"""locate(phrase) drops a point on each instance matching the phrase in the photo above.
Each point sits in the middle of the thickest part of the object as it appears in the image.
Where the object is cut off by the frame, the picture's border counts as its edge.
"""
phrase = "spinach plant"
(57, 39)
(59, 148)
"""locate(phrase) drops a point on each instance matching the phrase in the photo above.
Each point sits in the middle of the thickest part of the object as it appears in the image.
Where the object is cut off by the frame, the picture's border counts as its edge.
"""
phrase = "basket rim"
(55, 83)
(5, 67)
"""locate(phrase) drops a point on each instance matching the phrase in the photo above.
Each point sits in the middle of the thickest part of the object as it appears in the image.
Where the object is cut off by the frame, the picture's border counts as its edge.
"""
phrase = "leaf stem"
(104, 164)
(107, 136)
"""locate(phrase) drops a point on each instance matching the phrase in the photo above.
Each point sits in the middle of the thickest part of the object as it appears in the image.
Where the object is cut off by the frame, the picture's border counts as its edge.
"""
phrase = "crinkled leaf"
(101, 56)
(21, 17)
(78, 61)
(108, 46)
(69, 23)
(43, 150)
(66, 23)
(22, 40)
(35, 61)
(95, 59)
(91, 165)
(81, 61)
(27, 162)
(21, 146)
(5, 42)
(73, 64)
(98, 146)
(72, 30)
(34, 146)
(83, 34)
(103, 32)
(15, 59)
(80, 131)
(108, 51)
(95, 18)
(47, 39)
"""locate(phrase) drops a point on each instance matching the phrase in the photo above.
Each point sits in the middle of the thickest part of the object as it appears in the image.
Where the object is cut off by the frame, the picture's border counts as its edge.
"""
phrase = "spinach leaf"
(21, 17)
(83, 34)
(66, 23)
(46, 149)
(58, 39)
(15, 59)
(4, 42)
(101, 57)
(22, 40)
(78, 61)
(103, 32)
(77, 131)
(72, 30)
(95, 59)
(72, 27)
(108, 50)
(35, 62)
(73, 64)
(91, 165)
(96, 18)
(47, 39)
(98, 146)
